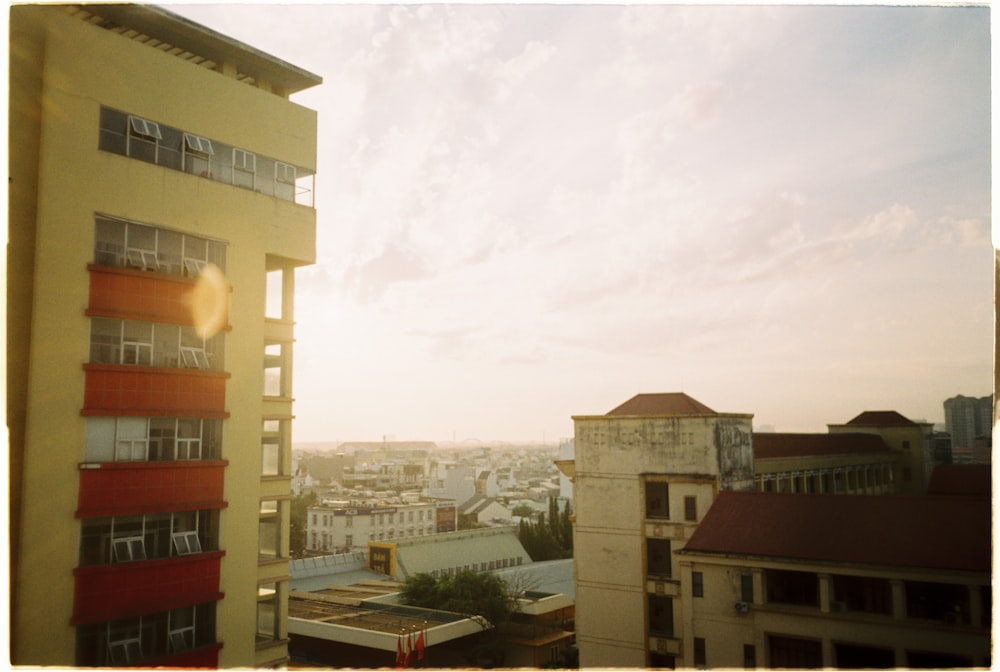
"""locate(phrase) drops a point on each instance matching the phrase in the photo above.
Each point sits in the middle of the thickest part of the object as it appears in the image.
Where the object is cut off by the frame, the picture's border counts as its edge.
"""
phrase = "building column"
(975, 607)
(825, 586)
(898, 599)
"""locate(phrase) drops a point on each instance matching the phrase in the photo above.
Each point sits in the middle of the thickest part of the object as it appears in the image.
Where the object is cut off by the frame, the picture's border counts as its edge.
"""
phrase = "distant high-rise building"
(160, 185)
(968, 418)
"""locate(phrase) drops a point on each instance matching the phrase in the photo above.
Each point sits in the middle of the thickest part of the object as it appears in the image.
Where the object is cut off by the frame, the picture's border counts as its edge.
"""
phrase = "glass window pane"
(99, 442)
(109, 242)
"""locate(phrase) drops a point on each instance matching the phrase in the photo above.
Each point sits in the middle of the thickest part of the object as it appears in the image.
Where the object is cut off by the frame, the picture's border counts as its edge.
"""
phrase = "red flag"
(409, 648)
(400, 661)
(420, 645)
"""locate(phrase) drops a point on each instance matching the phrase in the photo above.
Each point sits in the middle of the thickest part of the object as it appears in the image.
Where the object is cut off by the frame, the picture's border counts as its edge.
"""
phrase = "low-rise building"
(343, 525)
(479, 550)
(773, 580)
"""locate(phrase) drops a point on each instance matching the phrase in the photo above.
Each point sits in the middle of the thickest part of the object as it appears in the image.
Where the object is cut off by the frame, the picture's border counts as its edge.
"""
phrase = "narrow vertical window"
(657, 500)
(691, 508)
(749, 656)
(699, 652)
(697, 584)
(746, 588)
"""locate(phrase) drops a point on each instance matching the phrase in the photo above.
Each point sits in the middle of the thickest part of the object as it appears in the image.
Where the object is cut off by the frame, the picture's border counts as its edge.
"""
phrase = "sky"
(529, 212)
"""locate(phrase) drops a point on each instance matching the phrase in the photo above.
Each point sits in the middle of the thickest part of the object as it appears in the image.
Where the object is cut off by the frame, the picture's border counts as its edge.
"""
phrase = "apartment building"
(775, 580)
(160, 190)
(341, 526)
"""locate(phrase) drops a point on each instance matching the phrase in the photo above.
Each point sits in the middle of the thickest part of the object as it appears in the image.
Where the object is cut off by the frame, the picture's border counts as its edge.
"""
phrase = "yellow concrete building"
(643, 476)
(160, 201)
(779, 580)
(680, 562)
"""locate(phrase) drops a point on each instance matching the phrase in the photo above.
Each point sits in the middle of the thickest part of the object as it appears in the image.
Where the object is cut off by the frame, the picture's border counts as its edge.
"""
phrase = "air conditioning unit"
(742, 607)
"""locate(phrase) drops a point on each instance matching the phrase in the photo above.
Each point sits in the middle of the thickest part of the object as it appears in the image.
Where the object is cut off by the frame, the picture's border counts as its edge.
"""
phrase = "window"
(749, 656)
(134, 343)
(864, 594)
(658, 557)
(690, 508)
(945, 602)
(144, 639)
(244, 168)
(746, 588)
(791, 652)
(123, 244)
(133, 439)
(907, 474)
(149, 537)
(661, 615)
(268, 623)
(157, 143)
(697, 584)
(269, 530)
(657, 502)
(789, 587)
(699, 652)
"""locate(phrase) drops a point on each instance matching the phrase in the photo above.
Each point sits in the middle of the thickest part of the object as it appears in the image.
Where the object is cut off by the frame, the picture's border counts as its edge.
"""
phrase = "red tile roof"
(961, 479)
(924, 532)
(881, 419)
(666, 403)
(767, 445)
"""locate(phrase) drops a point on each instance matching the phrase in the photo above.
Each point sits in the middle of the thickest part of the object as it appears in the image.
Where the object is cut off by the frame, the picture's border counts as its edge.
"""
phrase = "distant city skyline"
(530, 212)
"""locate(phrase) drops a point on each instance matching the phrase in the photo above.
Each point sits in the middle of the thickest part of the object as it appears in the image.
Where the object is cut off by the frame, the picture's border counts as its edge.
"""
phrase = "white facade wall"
(337, 529)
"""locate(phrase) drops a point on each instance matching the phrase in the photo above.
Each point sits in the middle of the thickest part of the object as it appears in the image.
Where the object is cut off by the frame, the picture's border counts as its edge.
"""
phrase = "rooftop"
(768, 445)
(881, 419)
(961, 479)
(173, 34)
(664, 403)
(938, 532)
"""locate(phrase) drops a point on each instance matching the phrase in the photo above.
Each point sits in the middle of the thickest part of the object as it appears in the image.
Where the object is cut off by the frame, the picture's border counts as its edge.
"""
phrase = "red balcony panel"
(138, 295)
(121, 590)
(153, 391)
(132, 488)
(205, 656)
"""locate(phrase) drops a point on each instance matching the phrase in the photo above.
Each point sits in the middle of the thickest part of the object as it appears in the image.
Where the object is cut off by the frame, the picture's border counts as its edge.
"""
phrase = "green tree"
(523, 510)
(551, 538)
(481, 596)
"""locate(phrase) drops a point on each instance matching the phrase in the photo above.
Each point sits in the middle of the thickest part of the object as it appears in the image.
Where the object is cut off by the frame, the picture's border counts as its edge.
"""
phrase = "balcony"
(113, 389)
(140, 295)
(120, 590)
(125, 488)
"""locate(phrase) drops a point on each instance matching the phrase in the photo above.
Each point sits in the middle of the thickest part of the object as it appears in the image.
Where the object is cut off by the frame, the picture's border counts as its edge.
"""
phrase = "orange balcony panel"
(139, 295)
(133, 488)
(153, 391)
(127, 589)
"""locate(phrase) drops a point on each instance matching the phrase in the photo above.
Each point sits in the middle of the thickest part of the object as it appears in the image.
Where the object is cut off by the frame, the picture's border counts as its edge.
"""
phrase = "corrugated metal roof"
(920, 532)
(768, 445)
(664, 403)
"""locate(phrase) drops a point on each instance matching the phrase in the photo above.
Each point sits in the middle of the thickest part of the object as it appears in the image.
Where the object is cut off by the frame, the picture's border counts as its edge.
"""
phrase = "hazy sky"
(528, 212)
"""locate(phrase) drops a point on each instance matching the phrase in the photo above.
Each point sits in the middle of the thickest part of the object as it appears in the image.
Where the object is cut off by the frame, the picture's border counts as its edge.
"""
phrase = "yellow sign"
(382, 558)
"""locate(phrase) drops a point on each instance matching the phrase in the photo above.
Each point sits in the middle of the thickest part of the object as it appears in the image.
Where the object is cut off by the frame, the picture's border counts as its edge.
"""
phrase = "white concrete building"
(343, 525)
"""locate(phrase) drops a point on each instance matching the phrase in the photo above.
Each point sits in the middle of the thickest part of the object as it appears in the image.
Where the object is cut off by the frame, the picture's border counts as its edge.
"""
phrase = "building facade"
(160, 186)
(341, 526)
(680, 562)
(777, 581)
(967, 419)
(644, 475)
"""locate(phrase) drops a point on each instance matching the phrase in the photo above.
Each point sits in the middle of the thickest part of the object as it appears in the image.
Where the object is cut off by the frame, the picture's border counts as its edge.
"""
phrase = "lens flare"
(209, 301)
